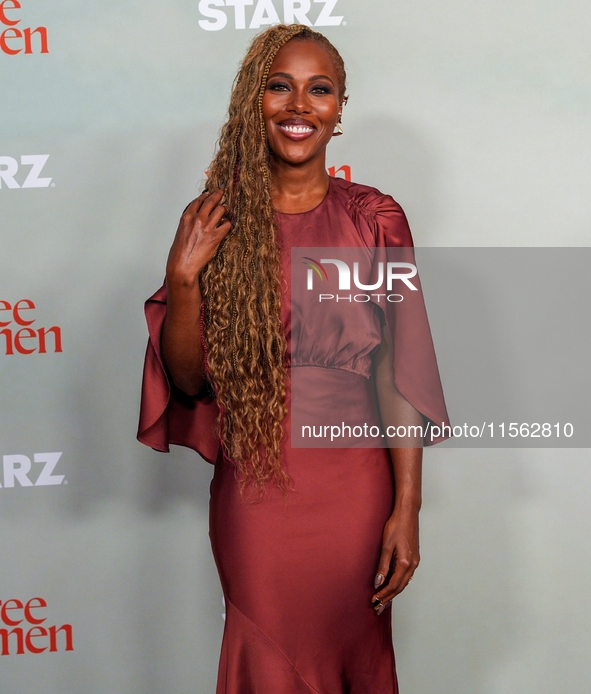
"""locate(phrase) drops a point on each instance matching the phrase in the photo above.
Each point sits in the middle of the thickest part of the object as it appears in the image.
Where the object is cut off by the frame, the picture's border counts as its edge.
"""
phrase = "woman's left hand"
(399, 558)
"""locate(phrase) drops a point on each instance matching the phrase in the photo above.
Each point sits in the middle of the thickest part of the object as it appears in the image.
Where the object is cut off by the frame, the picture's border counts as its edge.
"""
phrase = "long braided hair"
(243, 337)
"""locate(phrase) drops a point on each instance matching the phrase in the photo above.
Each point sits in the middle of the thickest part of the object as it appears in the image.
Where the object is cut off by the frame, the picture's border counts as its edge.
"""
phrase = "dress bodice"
(346, 333)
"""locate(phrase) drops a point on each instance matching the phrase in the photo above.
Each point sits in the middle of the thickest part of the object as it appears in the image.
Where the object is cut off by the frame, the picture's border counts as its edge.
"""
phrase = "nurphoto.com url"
(434, 431)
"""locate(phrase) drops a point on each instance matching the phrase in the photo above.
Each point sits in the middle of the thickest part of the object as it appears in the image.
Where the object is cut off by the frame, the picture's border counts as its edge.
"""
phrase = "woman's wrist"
(407, 503)
(182, 283)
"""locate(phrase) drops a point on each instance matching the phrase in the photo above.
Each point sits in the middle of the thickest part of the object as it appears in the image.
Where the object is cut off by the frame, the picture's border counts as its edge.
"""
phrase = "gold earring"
(338, 129)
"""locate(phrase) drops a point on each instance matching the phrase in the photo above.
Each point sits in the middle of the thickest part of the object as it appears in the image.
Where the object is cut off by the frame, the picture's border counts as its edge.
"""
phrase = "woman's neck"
(298, 188)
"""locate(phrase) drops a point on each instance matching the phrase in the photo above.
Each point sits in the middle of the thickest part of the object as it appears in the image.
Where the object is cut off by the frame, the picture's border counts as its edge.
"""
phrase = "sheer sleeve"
(416, 373)
(168, 416)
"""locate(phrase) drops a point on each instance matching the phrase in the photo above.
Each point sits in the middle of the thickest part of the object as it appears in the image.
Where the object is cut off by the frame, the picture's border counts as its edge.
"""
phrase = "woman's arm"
(200, 232)
(400, 543)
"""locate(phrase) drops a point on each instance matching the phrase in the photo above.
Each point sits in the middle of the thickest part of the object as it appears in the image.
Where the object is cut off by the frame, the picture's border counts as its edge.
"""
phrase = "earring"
(338, 129)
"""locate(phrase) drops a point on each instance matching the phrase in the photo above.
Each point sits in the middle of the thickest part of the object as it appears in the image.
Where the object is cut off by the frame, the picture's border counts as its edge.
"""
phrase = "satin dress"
(297, 572)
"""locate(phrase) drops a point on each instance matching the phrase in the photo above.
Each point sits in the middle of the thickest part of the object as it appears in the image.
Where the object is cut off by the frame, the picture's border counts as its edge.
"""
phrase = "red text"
(346, 169)
(15, 39)
(24, 629)
(20, 337)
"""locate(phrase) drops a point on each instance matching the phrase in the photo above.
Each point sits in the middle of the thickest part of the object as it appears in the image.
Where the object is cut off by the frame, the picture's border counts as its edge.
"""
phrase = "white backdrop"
(475, 117)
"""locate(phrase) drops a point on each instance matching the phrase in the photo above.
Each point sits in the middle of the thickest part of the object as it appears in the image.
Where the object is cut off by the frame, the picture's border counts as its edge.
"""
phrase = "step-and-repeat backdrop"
(474, 116)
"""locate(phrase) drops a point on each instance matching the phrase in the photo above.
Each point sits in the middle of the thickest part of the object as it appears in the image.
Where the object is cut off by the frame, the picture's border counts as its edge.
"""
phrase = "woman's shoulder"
(379, 212)
(367, 199)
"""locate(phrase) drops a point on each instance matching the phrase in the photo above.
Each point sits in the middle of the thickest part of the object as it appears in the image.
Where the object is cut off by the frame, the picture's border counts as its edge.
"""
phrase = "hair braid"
(241, 285)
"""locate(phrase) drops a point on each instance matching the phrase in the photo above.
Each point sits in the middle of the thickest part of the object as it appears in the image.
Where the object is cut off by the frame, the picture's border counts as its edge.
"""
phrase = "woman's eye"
(278, 87)
(320, 89)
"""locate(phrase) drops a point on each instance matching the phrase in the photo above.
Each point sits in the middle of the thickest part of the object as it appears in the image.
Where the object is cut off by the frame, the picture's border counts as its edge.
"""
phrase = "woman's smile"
(296, 128)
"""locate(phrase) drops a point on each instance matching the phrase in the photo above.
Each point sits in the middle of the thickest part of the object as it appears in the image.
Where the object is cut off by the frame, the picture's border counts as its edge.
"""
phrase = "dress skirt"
(297, 572)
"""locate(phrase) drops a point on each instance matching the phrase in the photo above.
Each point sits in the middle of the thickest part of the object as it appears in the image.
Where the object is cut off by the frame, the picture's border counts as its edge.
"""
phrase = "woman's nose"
(299, 102)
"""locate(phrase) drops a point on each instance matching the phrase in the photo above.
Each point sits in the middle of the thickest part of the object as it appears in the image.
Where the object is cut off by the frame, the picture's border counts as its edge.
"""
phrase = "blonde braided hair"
(241, 285)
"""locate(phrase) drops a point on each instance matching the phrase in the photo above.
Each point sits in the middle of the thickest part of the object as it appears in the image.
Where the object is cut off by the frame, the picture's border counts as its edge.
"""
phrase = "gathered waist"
(324, 399)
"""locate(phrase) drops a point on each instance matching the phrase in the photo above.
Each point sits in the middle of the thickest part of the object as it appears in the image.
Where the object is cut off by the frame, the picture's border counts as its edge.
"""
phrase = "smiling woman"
(311, 545)
(301, 106)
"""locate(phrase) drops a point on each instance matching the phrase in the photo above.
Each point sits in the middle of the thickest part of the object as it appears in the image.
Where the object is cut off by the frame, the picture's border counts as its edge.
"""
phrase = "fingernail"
(381, 608)
(378, 581)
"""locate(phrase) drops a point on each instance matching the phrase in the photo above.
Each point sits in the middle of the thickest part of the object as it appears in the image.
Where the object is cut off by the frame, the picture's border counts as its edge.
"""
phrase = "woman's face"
(301, 102)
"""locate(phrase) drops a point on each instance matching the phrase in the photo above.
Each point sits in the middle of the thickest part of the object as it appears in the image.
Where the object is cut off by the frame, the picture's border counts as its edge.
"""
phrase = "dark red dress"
(297, 573)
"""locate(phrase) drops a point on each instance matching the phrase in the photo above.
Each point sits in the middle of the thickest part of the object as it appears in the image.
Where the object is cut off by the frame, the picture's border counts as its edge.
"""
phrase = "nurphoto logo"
(345, 273)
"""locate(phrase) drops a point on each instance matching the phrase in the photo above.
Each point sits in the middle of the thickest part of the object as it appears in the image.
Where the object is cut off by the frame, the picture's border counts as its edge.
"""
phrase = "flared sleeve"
(168, 416)
(415, 369)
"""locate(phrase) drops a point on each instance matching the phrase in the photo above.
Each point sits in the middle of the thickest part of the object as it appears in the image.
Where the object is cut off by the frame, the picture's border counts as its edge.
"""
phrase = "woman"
(311, 545)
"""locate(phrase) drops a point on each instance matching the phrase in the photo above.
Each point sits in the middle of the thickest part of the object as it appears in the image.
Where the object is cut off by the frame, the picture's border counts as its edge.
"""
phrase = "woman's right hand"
(199, 234)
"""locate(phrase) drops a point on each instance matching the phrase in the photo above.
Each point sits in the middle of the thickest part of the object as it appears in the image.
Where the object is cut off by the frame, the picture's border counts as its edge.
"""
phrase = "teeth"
(297, 128)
